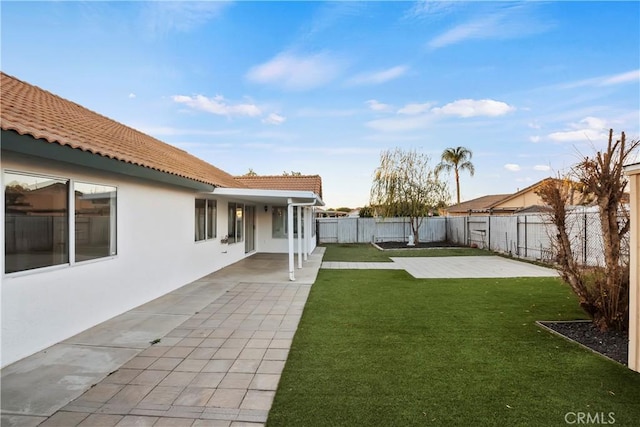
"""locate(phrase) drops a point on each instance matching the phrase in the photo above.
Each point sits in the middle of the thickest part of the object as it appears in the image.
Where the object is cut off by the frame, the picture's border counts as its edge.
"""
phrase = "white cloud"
(506, 23)
(377, 106)
(614, 79)
(472, 108)
(481, 28)
(217, 105)
(132, 95)
(432, 9)
(512, 167)
(274, 119)
(542, 168)
(534, 125)
(587, 129)
(535, 139)
(631, 76)
(412, 109)
(297, 72)
(162, 17)
(379, 77)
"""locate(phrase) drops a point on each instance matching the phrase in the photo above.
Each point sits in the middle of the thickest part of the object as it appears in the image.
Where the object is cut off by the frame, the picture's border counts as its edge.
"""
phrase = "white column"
(292, 276)
(71, 226)
(112, 224)
(307, 233)
(299, 236)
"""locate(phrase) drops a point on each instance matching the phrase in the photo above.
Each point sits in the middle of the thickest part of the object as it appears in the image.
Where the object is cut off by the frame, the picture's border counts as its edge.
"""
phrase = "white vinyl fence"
(367, 230)
(522, 236)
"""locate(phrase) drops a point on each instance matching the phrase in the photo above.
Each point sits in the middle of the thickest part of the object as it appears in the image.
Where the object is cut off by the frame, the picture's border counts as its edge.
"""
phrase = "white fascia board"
(632, 169)
(282, 195)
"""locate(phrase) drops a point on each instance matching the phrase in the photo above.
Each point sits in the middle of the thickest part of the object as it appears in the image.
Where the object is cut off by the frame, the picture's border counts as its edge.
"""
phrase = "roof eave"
(27, 145)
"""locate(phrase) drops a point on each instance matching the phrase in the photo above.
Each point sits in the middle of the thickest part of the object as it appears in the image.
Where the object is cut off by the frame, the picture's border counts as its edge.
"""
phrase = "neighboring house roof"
(311, 183)
(522, 201)
(518, 193)
(480, 204)
(29, 110)
(535, 209)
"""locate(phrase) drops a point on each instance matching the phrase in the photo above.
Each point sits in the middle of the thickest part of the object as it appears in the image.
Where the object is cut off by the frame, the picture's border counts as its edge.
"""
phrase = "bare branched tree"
(603, 292)
(405, 185)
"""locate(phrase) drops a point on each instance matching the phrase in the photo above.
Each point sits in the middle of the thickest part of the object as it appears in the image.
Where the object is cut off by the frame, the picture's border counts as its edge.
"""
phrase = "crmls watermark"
(600, 418)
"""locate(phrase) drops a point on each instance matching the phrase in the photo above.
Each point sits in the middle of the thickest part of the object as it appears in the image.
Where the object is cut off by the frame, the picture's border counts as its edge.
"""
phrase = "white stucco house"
(99, 218)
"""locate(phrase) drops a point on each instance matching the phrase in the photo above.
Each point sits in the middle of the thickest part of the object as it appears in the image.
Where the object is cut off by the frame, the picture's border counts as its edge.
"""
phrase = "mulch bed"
(419, 245)
(613, 344)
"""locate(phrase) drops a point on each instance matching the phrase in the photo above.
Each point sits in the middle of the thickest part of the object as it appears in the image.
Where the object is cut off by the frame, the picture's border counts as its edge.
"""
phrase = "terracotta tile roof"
(29, 110)
(479, 204)
(284, 182)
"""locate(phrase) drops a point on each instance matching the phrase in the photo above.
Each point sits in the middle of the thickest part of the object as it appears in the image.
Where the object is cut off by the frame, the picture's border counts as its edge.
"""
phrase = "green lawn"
(357, 252)
(379, 348)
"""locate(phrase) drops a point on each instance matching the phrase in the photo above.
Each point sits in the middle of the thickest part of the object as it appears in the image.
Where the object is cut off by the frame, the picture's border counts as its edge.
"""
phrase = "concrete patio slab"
(459, 267)
(339, 265)
(469, 267)
(39, 385)
(223, 342)
(133, 329)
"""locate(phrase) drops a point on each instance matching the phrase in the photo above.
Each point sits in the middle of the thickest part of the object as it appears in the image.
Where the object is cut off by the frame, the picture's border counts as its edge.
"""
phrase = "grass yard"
(364, 252)
(379, 348)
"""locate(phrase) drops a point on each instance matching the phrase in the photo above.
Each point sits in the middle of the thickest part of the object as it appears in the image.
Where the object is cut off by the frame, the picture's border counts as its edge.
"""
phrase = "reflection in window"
(95, 221)
(279, 225)
(36, 222)
(236, 222)
(212, 213)
(200, 219)
(279, 222)
(206, 212)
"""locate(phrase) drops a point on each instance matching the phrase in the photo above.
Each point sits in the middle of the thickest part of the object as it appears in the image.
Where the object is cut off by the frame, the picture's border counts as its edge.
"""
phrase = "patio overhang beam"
(270, 197)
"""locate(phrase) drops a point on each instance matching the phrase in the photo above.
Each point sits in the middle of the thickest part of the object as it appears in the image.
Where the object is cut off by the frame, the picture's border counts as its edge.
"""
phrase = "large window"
(236, 222)
(279, 225)
(39, 230)
(95, 221)
(206, 219)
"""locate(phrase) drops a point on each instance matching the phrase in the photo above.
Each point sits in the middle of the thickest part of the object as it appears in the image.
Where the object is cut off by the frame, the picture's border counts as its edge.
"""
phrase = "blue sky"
(323, 88)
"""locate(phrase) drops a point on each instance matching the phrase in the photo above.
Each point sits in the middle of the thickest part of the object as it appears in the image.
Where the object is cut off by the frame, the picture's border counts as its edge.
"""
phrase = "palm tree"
(458, 159)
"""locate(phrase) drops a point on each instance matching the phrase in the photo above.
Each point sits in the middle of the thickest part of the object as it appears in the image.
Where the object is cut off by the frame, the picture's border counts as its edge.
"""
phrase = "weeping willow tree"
(405, 185)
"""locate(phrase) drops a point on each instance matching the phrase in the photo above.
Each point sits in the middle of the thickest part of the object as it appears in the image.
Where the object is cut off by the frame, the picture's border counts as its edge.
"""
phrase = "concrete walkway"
(221, 343)
(460, 267)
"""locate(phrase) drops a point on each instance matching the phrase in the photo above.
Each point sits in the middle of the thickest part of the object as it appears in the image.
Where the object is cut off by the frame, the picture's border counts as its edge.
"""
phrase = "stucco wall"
(264, 235)
(634, 291)
(529, 198)
(156, 254)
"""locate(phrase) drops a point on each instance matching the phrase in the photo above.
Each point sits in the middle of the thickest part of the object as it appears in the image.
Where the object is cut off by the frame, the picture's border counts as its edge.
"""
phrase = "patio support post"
(299, 236)
(307, 232)
(290, 238)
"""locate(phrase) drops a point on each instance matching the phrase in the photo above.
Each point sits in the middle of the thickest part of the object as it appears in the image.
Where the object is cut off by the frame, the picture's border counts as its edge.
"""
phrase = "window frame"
(210, 218)
(235, 226)
(71, 228)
